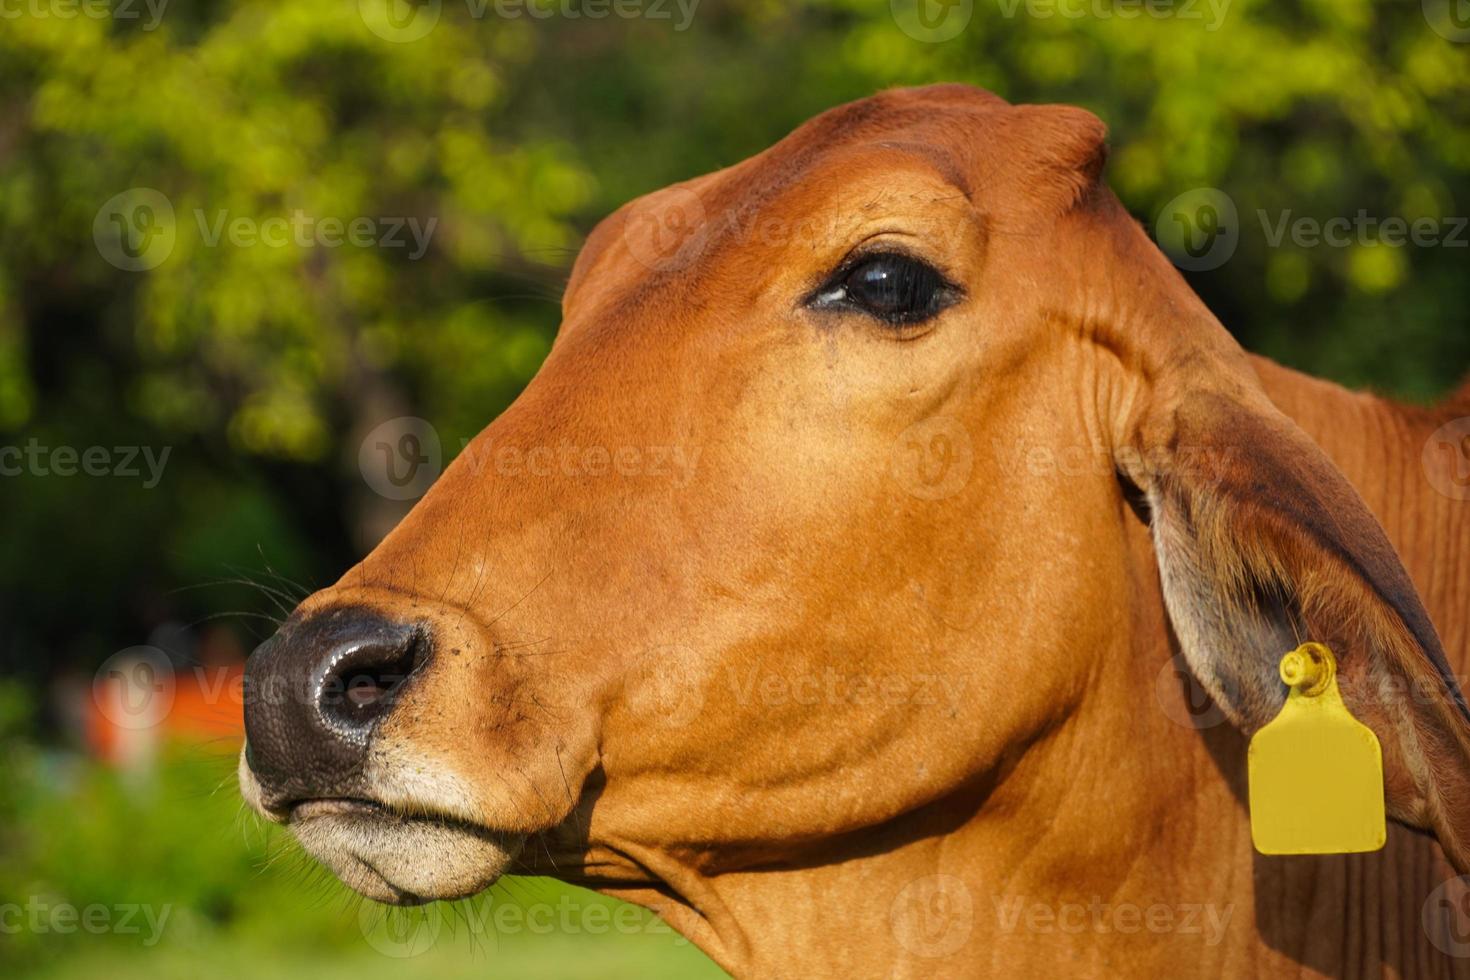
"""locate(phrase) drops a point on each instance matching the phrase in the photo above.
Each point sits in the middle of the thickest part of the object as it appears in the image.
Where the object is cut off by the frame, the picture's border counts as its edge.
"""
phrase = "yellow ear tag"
(1316, 772)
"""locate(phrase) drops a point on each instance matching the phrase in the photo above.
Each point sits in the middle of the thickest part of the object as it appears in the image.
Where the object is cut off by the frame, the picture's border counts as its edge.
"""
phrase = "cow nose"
(313, 694)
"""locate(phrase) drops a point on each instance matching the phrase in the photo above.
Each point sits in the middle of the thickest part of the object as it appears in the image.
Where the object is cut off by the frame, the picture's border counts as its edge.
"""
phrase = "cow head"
(819, 512)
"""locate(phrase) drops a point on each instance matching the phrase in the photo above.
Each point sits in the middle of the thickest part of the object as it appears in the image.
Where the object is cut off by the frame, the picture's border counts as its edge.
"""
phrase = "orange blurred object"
(138, 703)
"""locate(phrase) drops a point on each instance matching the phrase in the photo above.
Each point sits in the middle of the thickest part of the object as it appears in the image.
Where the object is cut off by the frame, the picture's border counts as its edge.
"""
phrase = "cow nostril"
(363, 681)
(315, 692)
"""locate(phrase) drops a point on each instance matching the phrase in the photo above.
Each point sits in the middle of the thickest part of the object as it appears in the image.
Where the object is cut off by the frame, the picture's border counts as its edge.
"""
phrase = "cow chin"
(398, 858)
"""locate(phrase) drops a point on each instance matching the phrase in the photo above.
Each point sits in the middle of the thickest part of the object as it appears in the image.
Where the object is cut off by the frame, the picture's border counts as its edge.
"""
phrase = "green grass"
(232, 897)
(555, 957)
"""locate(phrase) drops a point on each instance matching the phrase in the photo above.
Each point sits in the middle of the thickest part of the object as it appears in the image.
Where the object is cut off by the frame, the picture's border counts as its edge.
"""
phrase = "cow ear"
(1065, 151)
(1262, 543)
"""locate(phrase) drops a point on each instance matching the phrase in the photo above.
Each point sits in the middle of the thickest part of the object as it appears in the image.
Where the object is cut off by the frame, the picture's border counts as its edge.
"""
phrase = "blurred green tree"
(132, 312)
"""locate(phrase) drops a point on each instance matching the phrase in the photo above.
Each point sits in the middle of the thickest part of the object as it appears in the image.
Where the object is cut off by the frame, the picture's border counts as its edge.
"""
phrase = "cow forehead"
(898, 110)
(942, 125)
(936, 131)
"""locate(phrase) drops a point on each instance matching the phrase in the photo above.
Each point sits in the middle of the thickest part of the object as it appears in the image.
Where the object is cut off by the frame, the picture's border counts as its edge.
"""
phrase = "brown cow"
(821, 592)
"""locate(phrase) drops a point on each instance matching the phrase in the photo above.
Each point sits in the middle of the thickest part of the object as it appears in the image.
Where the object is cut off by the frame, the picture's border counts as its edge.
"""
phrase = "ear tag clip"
(1316, 772)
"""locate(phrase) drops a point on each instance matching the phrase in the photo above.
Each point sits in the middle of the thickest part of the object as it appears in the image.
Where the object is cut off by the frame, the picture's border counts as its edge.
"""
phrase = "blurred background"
(243, 244)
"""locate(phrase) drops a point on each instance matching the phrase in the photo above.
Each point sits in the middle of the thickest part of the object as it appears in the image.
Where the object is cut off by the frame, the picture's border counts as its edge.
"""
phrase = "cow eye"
(891, 287)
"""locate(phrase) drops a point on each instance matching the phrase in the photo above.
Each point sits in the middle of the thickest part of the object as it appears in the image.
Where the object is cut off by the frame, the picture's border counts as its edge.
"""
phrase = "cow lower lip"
(360, 809)
(401, 858)
(336, 807)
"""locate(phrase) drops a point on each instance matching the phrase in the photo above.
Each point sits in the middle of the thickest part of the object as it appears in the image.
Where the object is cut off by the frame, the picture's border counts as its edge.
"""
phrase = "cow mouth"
(397, 857)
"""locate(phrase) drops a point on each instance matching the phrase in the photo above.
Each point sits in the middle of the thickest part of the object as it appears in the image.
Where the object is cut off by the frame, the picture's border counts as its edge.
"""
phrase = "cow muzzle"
(317, 695)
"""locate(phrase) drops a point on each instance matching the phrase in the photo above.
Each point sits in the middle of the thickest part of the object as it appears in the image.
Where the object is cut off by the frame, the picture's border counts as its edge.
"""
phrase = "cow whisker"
(302, 590)
(290, 591)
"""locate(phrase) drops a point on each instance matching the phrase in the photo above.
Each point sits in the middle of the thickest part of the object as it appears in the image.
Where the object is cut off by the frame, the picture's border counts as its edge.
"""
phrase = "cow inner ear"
(1232, 621)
